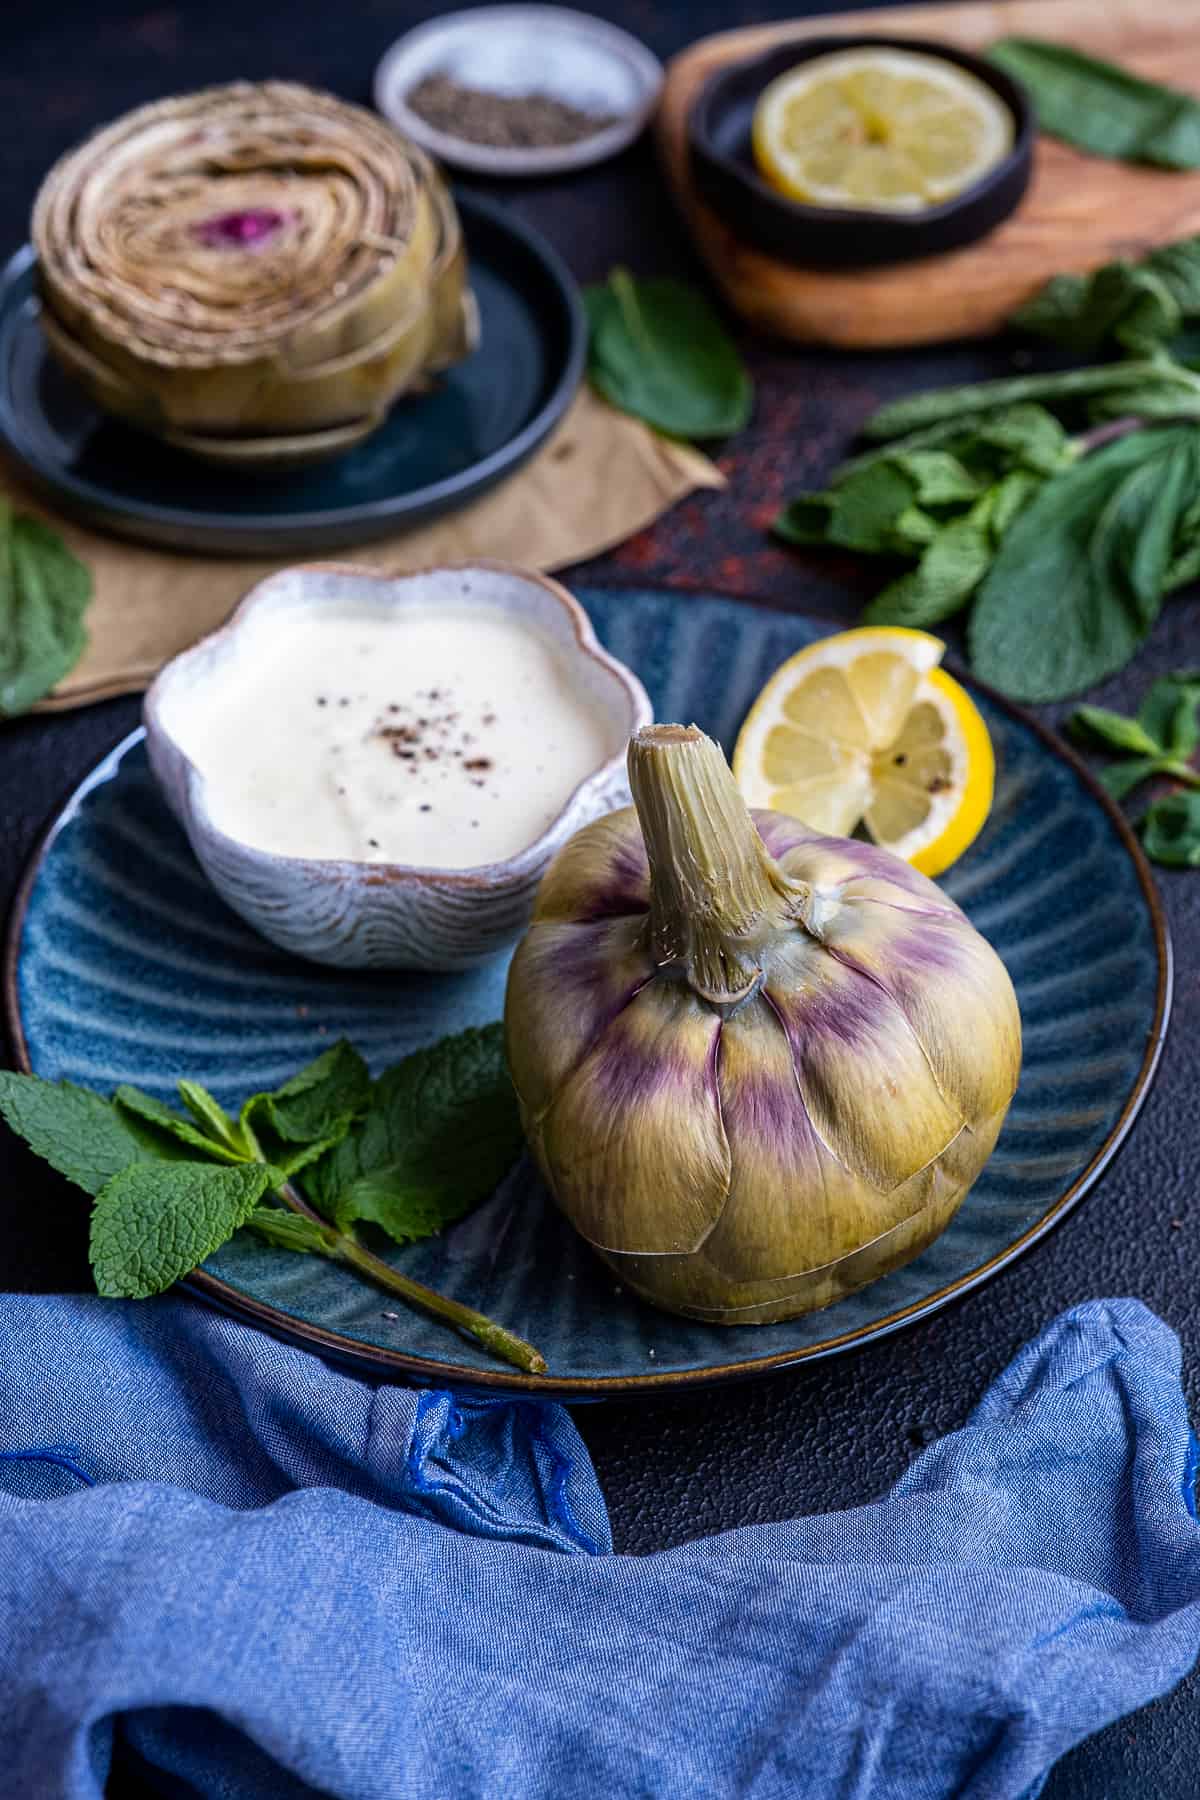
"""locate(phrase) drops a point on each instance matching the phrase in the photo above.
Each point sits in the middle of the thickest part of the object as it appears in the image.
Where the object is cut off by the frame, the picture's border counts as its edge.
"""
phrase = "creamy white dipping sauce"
(443, 740)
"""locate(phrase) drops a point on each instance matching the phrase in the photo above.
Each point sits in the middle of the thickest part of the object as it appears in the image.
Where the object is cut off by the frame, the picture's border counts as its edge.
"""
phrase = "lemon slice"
(889, 130)
(865, 729)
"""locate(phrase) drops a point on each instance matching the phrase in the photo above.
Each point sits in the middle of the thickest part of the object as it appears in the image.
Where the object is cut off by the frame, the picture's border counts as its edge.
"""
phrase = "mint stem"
(343, 1246)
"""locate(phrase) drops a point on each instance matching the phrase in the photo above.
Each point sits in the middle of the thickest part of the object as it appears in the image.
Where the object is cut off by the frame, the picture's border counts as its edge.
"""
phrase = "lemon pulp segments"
(864, 729)
(890, 130)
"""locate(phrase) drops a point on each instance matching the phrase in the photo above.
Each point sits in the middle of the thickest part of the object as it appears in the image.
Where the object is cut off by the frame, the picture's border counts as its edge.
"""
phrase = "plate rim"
(379, 1363)
(247, 533)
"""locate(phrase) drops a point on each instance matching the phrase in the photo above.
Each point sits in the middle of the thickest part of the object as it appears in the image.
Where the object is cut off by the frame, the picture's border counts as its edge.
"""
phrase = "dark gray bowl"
(727, 177)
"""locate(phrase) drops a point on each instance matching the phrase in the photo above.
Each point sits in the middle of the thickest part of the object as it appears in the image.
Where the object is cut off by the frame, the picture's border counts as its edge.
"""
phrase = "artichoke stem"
(717, 896)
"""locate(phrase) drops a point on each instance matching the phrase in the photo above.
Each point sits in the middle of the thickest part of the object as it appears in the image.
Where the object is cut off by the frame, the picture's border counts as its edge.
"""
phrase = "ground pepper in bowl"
(504, 121)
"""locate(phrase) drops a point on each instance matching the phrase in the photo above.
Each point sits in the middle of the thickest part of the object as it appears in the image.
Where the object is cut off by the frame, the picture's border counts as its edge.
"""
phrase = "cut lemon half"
(889, 130)
(864, 729)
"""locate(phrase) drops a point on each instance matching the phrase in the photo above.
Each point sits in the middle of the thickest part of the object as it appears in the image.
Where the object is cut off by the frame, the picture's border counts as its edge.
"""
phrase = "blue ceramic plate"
(435, 452)
(125, 966)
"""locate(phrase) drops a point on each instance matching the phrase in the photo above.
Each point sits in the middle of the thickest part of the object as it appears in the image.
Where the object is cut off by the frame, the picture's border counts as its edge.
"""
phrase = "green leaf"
(152, 1224)
(44, 593)
(658, 350)
(1184, 568)
(289, 1230)
(938, 478)
(441, 1130)
(919, 412)
(1120, 778)
(1077, 581)
(320, 1102)
(1171, 830)
(1114, 730)
(867, 508)
(153, 1112)
(77, 1132)
(1100, 107)
(1169, 714)
(1124, 306)
(214, 1122)
(805, 519)
(1027, 437)
(1009, 498)
(942, 582)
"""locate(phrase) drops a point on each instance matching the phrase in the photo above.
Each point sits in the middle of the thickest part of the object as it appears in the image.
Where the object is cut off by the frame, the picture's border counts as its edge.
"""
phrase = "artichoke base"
(664, 1281)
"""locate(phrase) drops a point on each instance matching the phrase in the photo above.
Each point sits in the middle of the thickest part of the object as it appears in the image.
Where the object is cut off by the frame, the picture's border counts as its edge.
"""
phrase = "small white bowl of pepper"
(519, 90)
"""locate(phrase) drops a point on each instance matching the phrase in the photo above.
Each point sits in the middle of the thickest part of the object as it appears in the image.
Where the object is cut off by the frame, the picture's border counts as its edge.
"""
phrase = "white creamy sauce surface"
(441, 739)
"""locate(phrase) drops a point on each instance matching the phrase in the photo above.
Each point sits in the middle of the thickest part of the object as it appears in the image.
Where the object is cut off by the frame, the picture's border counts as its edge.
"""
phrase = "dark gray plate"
(125, 966)
(435, 452)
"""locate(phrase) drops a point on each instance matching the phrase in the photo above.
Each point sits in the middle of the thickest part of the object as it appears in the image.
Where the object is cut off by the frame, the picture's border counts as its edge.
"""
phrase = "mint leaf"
(1025, 436)
(441, 1130)
(215, 1124)
(942, 582)
(1124, 306)
(44, 593)
(77, 1132)
(1101, 107)
(1115, 730)
(805, 519)
(1171, 831)
(866, 508)
(1077, 581)
(318, 1103)
(943, 406)
(1120, 778)
(153, 1224)
(154, 1112)
(658, 350)
(1169, 713)
(939, 478)
(1009, 498)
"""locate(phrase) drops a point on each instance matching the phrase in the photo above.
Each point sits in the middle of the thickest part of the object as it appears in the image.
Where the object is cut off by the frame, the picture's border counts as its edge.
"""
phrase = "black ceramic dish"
(727, 177)
(435, 451)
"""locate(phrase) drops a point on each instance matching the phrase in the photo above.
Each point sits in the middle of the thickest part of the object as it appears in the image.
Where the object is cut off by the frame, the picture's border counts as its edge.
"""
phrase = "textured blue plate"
(485, 417)
(124, 966)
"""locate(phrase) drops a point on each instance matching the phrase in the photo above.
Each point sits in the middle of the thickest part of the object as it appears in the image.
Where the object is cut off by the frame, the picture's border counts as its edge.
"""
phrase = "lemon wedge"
(889, 130)
(865, 729)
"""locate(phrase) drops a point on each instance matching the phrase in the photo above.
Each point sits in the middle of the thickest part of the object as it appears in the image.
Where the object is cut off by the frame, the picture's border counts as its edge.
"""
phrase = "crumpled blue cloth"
(288, 1581)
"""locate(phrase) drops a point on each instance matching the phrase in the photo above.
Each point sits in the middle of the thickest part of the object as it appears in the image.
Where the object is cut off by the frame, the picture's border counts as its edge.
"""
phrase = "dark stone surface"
(838, 1433)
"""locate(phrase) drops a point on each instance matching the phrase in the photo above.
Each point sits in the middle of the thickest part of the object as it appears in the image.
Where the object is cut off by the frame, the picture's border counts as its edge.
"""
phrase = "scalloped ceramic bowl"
(385, 915)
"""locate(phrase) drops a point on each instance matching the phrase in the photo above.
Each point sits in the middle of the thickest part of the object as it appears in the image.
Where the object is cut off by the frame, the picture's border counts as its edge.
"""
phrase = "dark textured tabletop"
(833, 1434)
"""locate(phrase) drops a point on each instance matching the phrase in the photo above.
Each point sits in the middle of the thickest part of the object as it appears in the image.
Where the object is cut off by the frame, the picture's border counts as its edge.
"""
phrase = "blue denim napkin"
(286, 1581)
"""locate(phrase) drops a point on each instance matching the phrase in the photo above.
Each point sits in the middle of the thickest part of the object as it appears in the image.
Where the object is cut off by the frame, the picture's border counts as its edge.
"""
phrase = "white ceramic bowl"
(515, 49)
(384, 915)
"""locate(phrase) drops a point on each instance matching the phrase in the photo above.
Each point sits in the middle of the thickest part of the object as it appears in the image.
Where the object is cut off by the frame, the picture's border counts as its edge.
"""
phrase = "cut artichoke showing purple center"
(759, 1067)
(248, 263)
(233, 230)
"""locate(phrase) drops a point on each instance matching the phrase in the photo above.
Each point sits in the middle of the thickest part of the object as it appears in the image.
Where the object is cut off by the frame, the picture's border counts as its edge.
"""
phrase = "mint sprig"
(1159, 741)
(409, 1153)
(1059, 506)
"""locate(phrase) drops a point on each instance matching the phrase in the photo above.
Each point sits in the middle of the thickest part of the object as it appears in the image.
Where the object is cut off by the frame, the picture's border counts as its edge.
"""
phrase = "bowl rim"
(485, 159)
(1014, 95)
(475, 877)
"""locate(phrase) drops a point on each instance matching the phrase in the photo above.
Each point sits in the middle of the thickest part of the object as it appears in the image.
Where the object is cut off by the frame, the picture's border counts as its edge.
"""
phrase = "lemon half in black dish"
(853, 152)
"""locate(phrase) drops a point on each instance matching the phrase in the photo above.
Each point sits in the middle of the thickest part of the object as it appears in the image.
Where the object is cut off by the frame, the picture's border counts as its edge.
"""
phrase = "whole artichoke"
(759, 1067)
(250, 263)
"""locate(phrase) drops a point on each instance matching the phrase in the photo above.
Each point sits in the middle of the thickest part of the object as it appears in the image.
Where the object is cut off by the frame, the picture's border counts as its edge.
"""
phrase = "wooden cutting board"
(1078, 212)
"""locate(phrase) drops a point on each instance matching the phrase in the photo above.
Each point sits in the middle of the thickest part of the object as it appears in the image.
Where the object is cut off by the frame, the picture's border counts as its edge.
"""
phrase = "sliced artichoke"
(251, 260)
